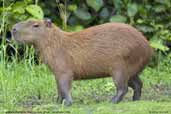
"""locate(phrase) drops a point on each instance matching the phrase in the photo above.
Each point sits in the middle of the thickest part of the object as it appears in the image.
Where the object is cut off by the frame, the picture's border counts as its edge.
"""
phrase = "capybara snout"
(112, 49)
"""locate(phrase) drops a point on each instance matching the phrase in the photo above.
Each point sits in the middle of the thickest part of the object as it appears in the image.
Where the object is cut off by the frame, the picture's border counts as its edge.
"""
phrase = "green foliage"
(35, 11)
(117, 5)
(88, 12)
(19, 11)
(72, 7)
(95, 4)
(82, 14)
(118, 18)
(104, 14)
(162, 34)
(63, 14)
(157, 44)
(132, 9)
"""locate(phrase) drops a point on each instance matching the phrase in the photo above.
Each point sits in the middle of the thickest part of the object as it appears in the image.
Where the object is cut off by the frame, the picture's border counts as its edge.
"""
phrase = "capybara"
(112, 49)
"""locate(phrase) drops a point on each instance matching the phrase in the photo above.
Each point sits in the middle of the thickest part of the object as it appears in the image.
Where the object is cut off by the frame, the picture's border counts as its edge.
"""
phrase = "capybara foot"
(62, 100)
(67, 103)
(136, 84)
(115, 100)
(120, 94)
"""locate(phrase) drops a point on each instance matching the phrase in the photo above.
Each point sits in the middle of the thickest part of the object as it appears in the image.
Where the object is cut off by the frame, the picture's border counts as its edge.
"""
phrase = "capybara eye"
(36, 25)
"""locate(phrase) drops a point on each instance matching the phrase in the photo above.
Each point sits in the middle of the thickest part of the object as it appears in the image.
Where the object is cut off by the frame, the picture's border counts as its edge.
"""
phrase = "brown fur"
(112, 49)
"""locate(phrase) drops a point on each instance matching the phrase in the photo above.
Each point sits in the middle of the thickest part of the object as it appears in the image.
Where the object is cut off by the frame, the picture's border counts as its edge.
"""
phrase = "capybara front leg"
(64, 89)
(136, 84)
(59, 99)
(121, 85)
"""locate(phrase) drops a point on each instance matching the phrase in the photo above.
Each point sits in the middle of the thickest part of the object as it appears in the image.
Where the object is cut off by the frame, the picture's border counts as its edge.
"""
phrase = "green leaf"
(117, 4)
(157, 44)
(145, 28)
(132, 9)
(95, 4)
(164, 2)
(72, 7)
(18, 7)
(82, 14)
(104, 13)
(118, 18)
(28, 1)
(36, 11)
(75, 28)
(31, 19)
(159, 8)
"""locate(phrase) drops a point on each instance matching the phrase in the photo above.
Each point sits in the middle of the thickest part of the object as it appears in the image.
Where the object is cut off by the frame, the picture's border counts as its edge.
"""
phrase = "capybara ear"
(48, 22)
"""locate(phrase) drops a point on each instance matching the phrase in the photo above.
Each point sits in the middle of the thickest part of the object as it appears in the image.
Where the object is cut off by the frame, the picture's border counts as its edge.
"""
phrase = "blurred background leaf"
(35, 11)
(95, 4)
(118, 18)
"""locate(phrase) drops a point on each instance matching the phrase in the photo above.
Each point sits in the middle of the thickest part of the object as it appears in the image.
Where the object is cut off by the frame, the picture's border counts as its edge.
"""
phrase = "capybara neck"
(53, 39)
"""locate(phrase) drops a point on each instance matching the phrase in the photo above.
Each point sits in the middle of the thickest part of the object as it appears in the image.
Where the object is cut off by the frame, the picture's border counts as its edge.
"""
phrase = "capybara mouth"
(15, 36)
(16, 33)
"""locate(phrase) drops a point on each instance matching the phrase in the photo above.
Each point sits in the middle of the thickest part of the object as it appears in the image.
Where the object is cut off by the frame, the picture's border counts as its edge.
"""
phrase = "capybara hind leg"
(136, 84)
(121, 85)
(64, 89)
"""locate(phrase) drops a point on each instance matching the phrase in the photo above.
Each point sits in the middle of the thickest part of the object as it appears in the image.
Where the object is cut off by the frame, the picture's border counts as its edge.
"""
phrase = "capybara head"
(31, 31)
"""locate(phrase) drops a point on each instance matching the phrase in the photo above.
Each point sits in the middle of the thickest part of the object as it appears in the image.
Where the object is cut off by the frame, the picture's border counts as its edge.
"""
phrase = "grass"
(28, 87)
(141, 107)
